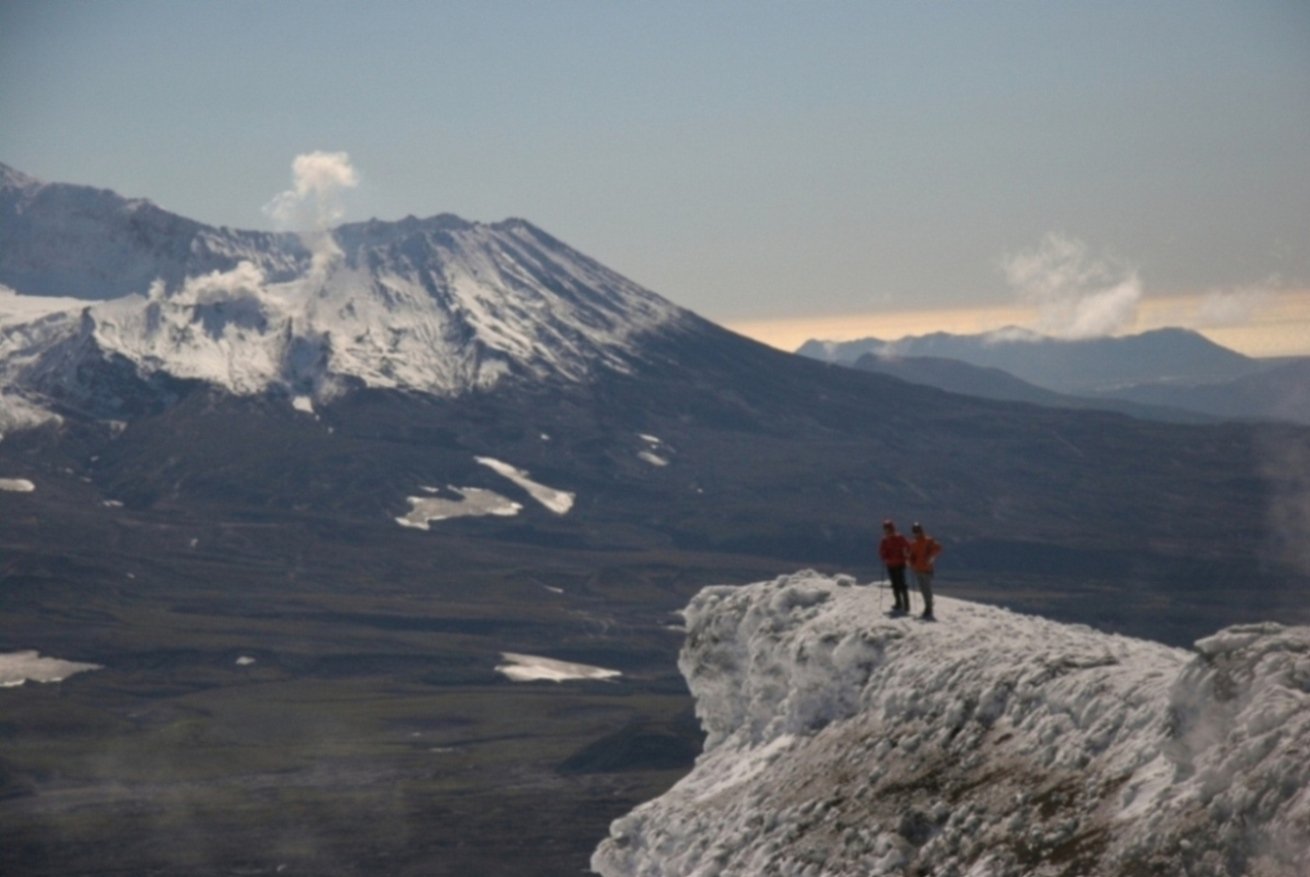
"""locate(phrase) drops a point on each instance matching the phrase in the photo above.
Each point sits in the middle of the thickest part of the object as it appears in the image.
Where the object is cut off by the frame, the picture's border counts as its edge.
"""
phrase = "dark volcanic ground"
(372, 733)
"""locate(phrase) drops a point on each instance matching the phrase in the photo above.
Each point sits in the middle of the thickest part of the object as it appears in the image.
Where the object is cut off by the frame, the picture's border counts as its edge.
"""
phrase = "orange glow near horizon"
(1276, 325)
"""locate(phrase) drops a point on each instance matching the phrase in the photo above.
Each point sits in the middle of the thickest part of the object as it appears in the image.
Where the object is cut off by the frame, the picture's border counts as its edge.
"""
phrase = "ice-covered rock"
(842, 741)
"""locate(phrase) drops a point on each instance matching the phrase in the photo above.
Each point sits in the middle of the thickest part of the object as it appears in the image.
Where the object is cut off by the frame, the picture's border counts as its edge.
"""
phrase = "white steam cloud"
(244, 282)
(314, 202)
(1076, 295)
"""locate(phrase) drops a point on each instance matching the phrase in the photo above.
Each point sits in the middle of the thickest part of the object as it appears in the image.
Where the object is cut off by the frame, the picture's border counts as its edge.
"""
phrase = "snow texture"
(438, 305)
(532, 668)
(471, 502)
(842, 741)
(557, 501)
(17, 668)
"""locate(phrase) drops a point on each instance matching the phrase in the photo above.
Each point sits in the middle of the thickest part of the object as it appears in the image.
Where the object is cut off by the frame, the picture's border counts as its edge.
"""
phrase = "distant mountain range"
(1165, 373)
(375, 458)
(422, 316)
(984, 382)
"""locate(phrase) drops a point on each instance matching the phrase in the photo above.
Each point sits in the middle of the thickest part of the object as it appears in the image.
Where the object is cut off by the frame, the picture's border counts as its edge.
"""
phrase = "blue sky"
(770, 165)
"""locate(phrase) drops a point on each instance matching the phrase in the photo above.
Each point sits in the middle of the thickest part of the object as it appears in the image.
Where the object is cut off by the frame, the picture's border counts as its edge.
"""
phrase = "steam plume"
(1076, 295)
(313, 203)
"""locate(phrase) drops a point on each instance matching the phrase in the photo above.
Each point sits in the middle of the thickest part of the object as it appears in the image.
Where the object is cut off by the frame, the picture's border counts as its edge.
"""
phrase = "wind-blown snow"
(987, 744)
(16, 485)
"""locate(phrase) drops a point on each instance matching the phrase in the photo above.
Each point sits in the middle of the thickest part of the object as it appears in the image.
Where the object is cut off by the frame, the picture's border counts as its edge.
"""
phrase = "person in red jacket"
(923, 551)
(893, 550)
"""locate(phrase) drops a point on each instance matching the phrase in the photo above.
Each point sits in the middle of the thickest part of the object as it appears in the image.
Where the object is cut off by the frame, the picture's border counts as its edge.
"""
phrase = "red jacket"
(923, 551)
(893, 549)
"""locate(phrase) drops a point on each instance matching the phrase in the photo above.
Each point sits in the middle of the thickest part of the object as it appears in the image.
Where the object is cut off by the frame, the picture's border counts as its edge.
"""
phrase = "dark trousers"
(900, 592)
(925, 587)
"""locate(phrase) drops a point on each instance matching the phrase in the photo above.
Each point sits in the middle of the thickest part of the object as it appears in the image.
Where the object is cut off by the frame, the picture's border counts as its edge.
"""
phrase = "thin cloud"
(1231, 307)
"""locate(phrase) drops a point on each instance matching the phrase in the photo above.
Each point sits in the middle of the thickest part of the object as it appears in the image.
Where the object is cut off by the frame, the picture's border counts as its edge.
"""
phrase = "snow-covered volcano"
(437, 305)
(844, 742)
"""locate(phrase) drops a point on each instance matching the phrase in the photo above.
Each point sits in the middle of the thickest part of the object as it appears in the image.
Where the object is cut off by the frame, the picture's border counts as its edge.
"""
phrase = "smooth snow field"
(842, 741)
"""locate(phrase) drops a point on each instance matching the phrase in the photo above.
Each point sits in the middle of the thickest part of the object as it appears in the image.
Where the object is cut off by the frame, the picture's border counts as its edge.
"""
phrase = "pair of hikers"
(918, 553)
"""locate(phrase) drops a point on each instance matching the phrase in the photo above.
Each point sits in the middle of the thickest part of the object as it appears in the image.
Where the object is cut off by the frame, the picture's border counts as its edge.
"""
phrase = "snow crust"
(841, 741)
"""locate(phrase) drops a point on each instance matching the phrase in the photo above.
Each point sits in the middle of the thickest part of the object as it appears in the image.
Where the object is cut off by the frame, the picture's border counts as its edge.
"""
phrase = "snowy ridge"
(844, 742)
(439, 306)
(58, 239)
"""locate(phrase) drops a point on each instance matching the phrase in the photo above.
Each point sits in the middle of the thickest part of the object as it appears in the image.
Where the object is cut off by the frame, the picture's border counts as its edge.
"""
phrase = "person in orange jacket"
(893, 550)
(923, 551)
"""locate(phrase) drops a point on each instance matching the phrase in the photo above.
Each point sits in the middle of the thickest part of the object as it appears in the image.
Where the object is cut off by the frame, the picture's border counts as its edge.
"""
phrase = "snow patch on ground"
(17, 668)
(16, 414)
(472, 502)
(841, 741)
(649, 454)
(557, 501)
(531, 668)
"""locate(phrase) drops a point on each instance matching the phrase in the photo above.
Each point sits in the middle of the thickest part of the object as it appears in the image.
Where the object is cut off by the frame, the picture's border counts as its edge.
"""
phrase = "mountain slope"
(60, 239)
(438, 306)
(424, 344)
(1281, 392)
(436, 442)
(841, 742)
(957, 376)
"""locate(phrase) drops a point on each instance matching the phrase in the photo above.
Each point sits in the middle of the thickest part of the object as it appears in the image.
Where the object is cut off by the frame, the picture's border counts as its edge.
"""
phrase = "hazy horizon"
(771, 166)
